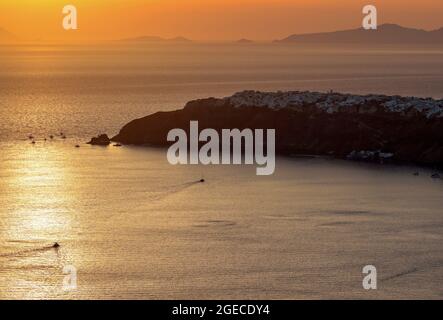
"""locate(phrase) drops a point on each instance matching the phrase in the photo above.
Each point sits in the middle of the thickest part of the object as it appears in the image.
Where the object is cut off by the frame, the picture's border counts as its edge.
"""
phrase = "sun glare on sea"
(39, 187)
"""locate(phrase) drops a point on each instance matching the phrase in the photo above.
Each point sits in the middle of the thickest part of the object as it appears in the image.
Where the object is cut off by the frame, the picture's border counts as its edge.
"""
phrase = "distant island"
(385, 34)
(244, 41)
(359, 127)
(155, 39)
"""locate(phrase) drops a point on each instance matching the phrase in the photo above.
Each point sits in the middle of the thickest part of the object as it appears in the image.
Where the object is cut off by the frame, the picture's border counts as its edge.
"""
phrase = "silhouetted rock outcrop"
(371, 127)
(101, 140)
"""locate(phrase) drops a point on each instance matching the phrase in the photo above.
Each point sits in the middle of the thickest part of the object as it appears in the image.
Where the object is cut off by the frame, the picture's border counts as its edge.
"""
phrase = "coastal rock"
(101, 140)
(401, 129)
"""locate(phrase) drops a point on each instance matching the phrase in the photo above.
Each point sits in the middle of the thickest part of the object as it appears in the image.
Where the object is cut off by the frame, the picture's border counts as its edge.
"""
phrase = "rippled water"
(85, 90)
(136, 227)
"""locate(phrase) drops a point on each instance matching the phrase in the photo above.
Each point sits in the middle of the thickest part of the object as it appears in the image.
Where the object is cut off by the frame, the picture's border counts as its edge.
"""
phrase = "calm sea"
(134, 226)
(85, 90)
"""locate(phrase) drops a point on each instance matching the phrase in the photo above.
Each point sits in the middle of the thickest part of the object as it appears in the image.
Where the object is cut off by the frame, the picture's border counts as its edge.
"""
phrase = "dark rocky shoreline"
(368, 128)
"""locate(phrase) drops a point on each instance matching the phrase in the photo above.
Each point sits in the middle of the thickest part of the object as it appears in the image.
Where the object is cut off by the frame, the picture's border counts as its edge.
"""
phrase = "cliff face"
(406, 129)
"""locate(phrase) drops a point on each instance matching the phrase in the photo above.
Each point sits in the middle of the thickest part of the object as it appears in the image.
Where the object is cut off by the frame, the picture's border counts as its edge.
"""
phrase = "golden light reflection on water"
(39, 188)
(130, 228)
(36, 186)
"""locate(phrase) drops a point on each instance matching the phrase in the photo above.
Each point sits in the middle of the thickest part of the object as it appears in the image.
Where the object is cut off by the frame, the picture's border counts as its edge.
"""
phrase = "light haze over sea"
(136, 227)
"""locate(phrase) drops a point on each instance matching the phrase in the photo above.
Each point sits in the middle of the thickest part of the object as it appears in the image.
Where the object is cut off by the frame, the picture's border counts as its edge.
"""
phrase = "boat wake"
(27, 251)
(168, 191)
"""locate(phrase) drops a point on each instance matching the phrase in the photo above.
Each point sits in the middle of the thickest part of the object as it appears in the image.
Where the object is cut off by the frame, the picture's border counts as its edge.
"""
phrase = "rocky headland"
(357, 127)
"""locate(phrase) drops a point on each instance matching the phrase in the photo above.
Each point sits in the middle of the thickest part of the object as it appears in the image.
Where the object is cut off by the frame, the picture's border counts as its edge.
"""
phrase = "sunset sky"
(206, 19)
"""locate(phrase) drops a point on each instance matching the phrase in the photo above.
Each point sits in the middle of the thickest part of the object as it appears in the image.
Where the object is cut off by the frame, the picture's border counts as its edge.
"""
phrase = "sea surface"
(84, 90)
(135, 227)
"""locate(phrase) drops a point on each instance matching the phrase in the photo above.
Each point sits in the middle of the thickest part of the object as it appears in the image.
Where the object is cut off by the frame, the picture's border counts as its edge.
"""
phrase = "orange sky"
(206, 19)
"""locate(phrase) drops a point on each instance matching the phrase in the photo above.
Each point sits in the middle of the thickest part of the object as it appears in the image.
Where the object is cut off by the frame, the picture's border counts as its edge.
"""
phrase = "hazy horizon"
(12, 39)
(197, 20)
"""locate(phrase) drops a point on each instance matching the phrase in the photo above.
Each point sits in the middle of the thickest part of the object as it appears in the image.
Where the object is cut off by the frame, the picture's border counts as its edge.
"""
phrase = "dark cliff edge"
(403, 129)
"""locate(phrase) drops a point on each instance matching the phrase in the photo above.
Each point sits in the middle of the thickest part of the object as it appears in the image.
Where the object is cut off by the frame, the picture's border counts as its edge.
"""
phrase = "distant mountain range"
(155, 39)
(386, 33)
(6, 36)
